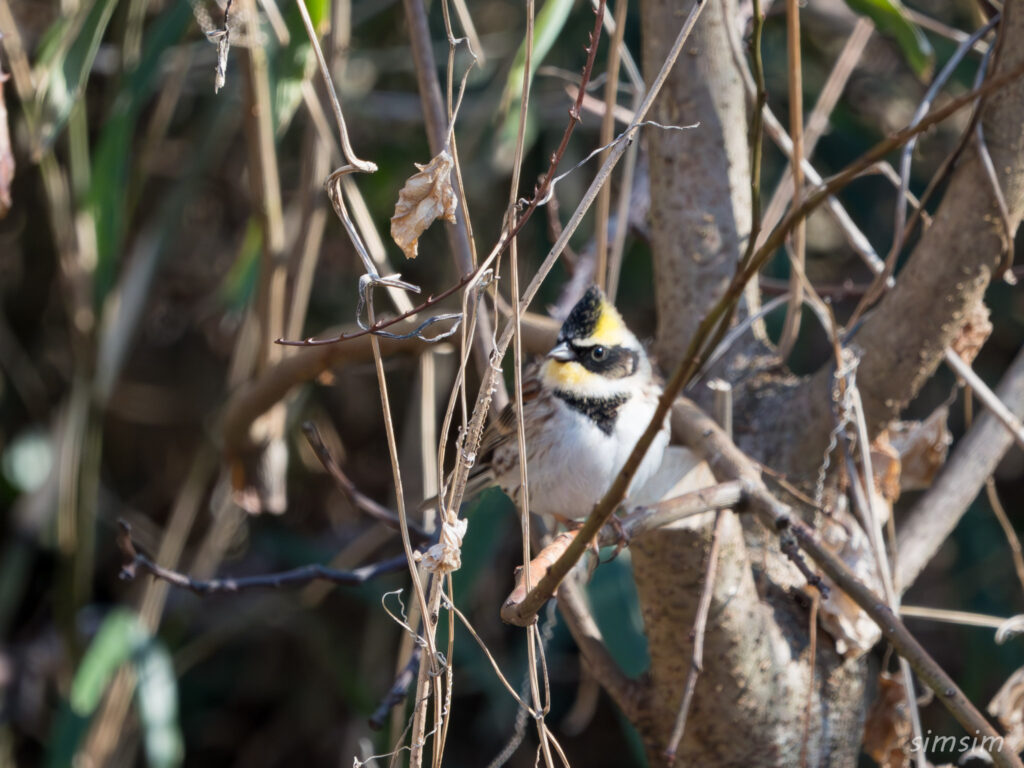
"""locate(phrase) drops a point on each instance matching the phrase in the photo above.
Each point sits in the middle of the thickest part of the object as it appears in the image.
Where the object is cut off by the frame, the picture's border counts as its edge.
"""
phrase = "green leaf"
(157, 696)
(891, 19)
(120, 635)
(68, 59)
(547, 27)
(294, 63)
(112, 191)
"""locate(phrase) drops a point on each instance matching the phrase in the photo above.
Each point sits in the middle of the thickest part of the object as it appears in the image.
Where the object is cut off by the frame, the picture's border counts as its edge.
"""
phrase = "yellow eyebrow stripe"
(610, 328)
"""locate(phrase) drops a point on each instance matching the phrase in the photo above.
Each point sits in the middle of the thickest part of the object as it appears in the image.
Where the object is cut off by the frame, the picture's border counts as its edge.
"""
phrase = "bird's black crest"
(582, 320)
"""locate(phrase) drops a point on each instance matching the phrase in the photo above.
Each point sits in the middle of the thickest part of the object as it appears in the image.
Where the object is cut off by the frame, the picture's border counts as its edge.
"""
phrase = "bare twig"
(879, 284)
(756, 133)
(354, 163)
(1004, 521)
(816, 123)
(723, 412)
(834, 183)
(995, 406)
(611, 89)
(517, 354)
(973, 460)
(791, 325)
(700, 622)
(136, 561)
(398, 690)
(812, 654)
(361, 500)
(963, 618)
(627, 693)
(642, 520)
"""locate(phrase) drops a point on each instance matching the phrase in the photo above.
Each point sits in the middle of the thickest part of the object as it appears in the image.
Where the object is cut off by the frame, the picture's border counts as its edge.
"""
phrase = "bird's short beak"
(562, 352)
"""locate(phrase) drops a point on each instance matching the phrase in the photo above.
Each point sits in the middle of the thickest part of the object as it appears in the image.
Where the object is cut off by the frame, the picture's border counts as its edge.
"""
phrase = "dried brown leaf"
(6, 154)
(426, 197)
(1007, 707)
(886, 467)
(922, 447)
(854, 632)
(973, 335)
(887, 729)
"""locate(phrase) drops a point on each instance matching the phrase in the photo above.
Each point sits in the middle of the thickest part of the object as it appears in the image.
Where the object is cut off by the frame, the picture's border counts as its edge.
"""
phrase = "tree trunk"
(755, 702)
(754, 694)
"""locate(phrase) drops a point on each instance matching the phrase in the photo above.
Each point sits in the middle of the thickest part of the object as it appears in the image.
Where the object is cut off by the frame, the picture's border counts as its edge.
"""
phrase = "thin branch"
(397, 692)
(700, 623)
(354, 163)
(791, 325)
(643, 520)
(880, 282)
(995, 406)
(1004, 521)
(611, 89)
(136, 561)
(362, 501)
(627, 693)
(756, 133)
(963, 618)
(818, 121)
(894, 141)
(974, 458)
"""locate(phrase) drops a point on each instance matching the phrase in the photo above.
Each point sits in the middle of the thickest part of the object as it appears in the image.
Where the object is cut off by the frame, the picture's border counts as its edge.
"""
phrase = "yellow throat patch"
(567, 376)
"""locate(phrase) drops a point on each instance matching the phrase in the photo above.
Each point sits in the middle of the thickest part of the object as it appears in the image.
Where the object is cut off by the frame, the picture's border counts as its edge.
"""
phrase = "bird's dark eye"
(597, 354)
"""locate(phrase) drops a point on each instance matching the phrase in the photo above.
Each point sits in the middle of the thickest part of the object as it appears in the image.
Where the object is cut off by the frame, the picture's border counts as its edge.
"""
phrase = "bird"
(585, 406)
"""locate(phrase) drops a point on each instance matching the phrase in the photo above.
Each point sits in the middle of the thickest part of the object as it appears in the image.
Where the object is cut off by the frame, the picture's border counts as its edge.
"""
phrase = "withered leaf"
(1008, 708)
(922, 447)
(888, 729)
(885, 465)
(426, 197)
(852, 629)
(974, 334)
(6, 155)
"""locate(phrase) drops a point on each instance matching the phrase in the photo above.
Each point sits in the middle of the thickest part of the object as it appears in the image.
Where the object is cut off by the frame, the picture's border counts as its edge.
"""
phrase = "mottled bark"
(752, 696)
(699, 179)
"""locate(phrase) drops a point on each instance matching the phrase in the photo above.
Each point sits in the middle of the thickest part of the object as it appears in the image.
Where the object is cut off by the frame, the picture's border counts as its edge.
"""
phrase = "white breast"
(573, 462)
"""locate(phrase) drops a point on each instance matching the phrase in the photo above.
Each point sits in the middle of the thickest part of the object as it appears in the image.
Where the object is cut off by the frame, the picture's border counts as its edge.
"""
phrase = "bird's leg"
(622, 536)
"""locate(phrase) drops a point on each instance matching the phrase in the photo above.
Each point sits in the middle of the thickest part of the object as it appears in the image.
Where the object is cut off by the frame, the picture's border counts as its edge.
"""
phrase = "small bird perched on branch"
(584, 408)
